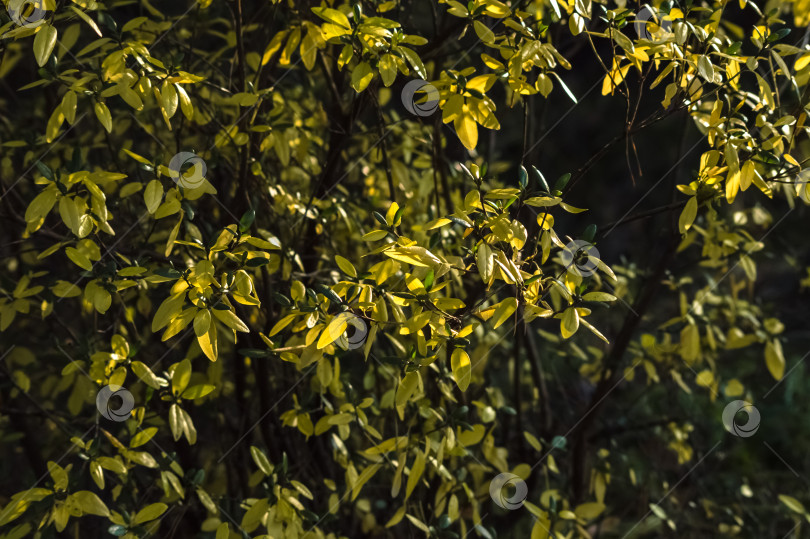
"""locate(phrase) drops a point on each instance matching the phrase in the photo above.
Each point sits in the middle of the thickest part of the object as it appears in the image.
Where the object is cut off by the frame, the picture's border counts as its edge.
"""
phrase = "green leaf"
(247, 220)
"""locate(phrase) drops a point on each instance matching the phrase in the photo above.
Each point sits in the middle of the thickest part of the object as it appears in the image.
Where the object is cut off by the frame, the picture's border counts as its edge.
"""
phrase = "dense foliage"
(261, 279)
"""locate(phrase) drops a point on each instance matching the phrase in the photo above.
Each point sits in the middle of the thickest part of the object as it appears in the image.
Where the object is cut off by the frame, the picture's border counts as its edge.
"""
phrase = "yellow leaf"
(484, 33)
(167, 310)
(345, 266)
(86, 18)
(64, 289)
(802, 62)
(486, 262)
(181, 376)
(396, 518)
(405, 257)
(416, 473)
(503, 311)
(569, 323)
(542, 528)
(388, 69)
(103, 115)
(261, 460)
(747, 175)
(208, 342)
(688, 215)
(333, 331)
(41, 205)
(734, 388)
(406, 388)
(466, 128)
(614, 78)
(690, 343)
(774, 359)
(90, 503)
(145, 374)
(185, 102)
(332, 16)
(364, 478)
(792, 503)
(150, 512)
(462, 371)
(361, 76)
(152, 195)
(231, 320)
(79, 258)
(732, 185)
(169, 99)
(589, 511)
(143, 436)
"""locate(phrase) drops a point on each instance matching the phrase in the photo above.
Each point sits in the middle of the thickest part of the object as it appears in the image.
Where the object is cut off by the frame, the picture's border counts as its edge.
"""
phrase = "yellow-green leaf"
(152, 195)
(208, 342)
(231, 320)
(569, 323)
(103, 115)
(388, 69)
(90, 504)
(361, 76)
(774, 359)
(792, 503)
(406, 388)
(261, 460)
(150, 512)
(688, 215)
(44, 43)
(416, 473)
(181, 376)
(333, 331)
(466, 129)
(345, 266)
(462, 371)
